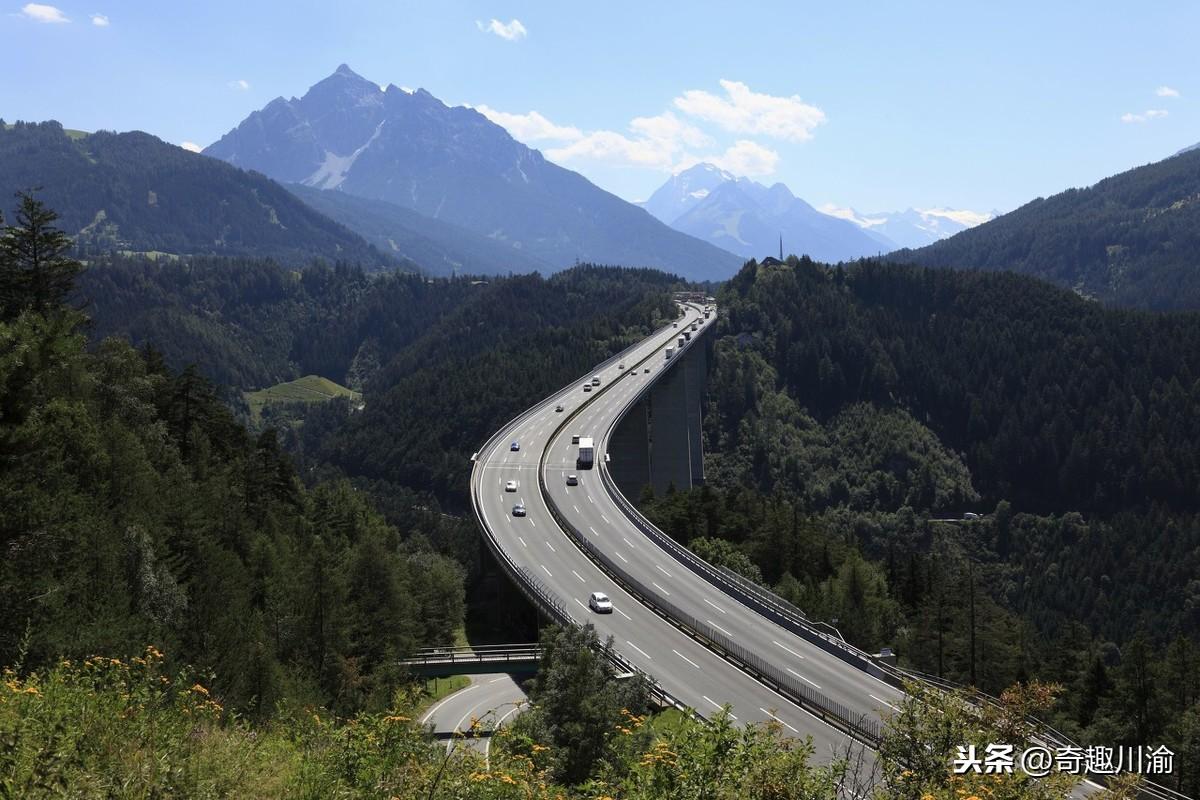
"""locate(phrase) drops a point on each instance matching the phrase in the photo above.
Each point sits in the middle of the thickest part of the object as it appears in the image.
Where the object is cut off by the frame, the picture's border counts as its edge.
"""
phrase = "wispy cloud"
(663, 142)
(1146, 116)
(43, 13)
(1166, 91)
(743, 110)
(100, 20)
(191, 147)
(240, 84)
(657, 142)
(511, 30)
(531, 127)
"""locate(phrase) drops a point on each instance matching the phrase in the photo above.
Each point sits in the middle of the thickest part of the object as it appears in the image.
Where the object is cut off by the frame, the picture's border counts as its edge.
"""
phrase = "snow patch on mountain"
(334, 168)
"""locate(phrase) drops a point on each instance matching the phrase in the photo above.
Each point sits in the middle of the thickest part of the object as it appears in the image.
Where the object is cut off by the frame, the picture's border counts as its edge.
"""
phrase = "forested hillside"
(850, 411)
(489, 348)
(1130, 240)
(121, 192)
(250, 323)
(138, 511)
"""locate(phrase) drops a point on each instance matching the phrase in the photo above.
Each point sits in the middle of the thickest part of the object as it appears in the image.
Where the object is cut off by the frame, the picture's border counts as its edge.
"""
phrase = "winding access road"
(489, 702)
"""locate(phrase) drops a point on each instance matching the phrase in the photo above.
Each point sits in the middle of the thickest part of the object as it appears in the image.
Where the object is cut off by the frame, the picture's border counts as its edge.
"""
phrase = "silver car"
(600, 603)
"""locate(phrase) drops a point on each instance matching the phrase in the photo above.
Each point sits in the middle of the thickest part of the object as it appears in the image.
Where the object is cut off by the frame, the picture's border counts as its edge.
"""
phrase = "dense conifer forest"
(1130, 240)
(855, 415)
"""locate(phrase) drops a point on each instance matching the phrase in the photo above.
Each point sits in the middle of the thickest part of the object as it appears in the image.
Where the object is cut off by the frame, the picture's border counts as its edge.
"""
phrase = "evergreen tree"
(35, 271)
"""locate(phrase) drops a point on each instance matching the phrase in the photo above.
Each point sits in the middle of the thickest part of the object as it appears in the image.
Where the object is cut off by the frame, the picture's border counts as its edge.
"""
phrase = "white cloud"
(743, 158)
(512, 30)
(657, 143)
(1154, 113)
(746, 111)
(43, 13)
(1166, 91)
(615, 148)
(191, 147)
(100, 20)
(531, 127)
(667, 127)
(240, 85)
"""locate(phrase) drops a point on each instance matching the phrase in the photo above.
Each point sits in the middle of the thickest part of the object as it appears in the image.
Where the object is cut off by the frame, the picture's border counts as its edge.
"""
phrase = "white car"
(510, 486)
(572, 480)
(600, 603)
(519, 510)
(558, 407)
(587, 387)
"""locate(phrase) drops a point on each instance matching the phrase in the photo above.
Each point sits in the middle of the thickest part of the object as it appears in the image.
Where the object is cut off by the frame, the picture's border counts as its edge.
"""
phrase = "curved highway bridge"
(693, 629)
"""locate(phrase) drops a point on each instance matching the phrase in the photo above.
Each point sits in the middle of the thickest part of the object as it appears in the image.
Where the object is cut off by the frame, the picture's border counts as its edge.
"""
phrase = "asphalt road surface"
(488, 703)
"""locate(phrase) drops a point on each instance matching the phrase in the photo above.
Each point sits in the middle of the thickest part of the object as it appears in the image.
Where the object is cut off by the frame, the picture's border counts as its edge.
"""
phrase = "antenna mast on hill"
(781, 247)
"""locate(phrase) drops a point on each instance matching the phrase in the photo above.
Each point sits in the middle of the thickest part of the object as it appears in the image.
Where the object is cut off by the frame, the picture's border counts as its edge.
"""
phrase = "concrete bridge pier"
(659, 441)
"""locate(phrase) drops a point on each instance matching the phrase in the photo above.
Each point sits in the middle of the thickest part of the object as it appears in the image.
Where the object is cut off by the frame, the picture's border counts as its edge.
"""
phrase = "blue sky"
(879, 106)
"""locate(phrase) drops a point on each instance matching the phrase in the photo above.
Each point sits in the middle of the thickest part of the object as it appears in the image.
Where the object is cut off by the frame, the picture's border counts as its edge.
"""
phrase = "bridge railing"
(474, 655)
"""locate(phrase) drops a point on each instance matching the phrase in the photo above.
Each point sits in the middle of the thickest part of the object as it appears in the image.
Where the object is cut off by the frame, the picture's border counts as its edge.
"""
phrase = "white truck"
(587, 453)
(670, 352)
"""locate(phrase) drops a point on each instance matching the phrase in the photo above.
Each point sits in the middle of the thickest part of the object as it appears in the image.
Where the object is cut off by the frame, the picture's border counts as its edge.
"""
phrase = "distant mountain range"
(134, 192)
(913, 227)
(748, 218)
(1132, 239)
(454, 165)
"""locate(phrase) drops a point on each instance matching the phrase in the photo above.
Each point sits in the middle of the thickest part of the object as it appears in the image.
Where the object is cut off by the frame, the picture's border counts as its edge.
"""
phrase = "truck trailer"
(587, 453)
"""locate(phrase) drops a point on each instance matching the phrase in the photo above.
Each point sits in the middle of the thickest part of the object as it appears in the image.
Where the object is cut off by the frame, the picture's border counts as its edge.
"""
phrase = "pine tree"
(35, 270)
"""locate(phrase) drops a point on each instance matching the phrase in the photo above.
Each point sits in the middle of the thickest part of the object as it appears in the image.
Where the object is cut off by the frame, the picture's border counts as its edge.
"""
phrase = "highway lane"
(684, 667)
(490, 701)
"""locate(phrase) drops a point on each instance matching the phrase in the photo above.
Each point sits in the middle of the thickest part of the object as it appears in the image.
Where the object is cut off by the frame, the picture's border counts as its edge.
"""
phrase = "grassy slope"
(309, 389)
